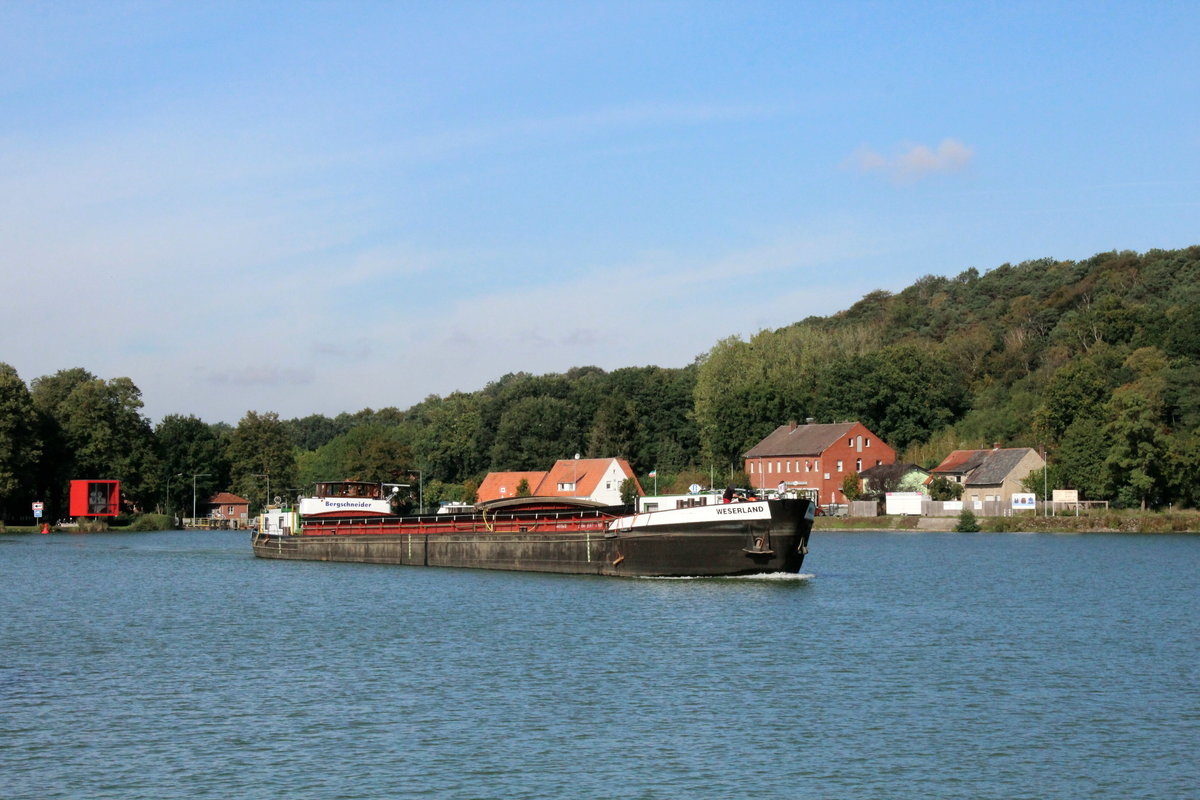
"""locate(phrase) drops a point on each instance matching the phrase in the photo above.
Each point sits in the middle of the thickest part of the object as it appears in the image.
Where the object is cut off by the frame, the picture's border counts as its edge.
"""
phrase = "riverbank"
(1091, 522)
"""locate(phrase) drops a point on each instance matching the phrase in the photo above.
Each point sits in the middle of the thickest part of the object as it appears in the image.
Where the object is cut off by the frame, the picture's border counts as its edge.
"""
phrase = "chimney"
(995, 445)
(791, 425)
(810, 420)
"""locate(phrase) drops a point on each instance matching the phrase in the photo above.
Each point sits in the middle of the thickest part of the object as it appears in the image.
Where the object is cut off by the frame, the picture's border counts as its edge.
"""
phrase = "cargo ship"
(356, 522)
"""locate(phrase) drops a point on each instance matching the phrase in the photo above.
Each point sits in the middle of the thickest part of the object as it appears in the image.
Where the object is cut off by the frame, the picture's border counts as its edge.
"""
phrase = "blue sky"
(322, 207)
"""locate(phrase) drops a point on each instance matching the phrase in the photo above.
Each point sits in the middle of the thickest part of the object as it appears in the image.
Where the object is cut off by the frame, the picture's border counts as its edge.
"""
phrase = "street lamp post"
(176, 475)
(194, 476)
(266, 475)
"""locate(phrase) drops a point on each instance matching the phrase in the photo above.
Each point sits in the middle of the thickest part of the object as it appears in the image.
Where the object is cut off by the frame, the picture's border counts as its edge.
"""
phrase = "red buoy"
(45, 527)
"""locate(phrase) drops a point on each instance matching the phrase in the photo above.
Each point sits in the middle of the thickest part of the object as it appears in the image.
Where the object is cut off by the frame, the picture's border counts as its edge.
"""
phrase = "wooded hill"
(1097, 361)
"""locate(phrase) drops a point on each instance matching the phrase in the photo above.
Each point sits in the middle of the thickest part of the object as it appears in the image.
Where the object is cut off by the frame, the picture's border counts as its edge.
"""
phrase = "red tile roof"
(583, 475)
(227, 499)
(504, 484)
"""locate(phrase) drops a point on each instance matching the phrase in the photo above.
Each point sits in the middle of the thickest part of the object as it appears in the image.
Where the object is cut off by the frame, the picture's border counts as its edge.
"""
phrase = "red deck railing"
(550, 522)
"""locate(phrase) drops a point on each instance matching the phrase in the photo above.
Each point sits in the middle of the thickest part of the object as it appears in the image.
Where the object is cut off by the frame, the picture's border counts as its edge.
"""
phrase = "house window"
(858, 465)
(566, 487)
(868, 444)
(807, 466)
(859, 446)
(231, 509)
(878, 462)
(839, 465)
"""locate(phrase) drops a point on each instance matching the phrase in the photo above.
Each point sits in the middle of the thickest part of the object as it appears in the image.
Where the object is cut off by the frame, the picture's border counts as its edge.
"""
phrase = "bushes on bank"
(150, 522)
(967, 522)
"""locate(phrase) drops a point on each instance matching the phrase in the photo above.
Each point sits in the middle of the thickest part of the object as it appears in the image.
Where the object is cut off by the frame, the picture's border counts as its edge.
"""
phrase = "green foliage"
(150, 522)
(967, 522)
(533, 433)
(851, 488)
(942, 488)
(188, 446)
(20, 448)
(260, 451)
(94, 428)
(902, 393)
(629, 492)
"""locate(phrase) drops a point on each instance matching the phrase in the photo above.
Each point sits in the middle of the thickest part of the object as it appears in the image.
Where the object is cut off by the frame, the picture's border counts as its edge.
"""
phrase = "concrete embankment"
(1098, 522)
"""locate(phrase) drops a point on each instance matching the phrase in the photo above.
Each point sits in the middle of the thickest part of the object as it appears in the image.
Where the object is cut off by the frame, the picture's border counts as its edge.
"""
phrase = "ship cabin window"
(349, 489)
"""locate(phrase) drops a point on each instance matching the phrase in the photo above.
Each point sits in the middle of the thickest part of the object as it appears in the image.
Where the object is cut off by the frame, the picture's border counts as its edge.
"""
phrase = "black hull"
(728, 548)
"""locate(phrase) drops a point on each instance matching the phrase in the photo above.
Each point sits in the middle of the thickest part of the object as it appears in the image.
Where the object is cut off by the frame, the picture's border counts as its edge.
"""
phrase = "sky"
(320, 207)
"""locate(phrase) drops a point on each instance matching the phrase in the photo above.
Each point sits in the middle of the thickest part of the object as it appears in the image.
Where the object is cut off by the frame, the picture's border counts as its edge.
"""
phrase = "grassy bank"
(1091, 522)
(141, 522)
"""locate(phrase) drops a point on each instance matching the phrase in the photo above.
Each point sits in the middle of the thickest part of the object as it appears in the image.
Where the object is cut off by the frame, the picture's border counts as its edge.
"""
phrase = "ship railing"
(564, 522)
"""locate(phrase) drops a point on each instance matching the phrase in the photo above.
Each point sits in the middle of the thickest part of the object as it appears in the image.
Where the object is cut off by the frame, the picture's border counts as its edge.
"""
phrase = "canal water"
(175, 665)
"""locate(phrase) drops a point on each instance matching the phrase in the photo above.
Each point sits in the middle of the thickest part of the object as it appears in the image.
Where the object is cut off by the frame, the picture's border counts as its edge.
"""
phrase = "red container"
(90, 498)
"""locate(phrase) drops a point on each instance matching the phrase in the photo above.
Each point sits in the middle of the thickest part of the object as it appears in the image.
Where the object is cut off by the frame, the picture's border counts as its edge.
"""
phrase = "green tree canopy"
(259, 447)
(20, 447)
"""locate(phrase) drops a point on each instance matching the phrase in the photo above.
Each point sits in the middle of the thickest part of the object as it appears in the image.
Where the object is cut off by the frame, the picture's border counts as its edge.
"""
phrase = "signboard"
(39, 506)
(1065, 496)
(1024, 501)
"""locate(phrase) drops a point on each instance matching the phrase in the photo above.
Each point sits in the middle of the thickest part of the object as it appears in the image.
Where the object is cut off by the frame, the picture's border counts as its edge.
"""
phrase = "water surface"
(175, 665)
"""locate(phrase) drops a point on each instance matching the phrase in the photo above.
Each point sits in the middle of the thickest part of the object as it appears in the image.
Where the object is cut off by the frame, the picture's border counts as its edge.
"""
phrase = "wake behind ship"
(353, 521)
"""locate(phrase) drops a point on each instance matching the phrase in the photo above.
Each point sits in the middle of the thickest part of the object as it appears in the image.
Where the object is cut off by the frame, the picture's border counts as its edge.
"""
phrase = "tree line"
(1096, 362)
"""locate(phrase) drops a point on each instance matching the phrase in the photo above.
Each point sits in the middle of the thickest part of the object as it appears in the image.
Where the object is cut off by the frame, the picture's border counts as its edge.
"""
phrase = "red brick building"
(815, 459)
(230, 507)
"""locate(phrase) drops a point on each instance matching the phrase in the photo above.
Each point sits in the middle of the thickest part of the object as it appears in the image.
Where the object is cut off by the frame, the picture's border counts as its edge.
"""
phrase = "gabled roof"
(800, 440)
(960, 462)
(997, 465)
(227, 499)
(583, 475)
(885, 471)
(983, 467)
(490, 488)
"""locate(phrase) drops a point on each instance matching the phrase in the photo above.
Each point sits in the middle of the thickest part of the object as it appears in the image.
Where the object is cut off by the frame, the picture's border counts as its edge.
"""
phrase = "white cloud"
(914, 162)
